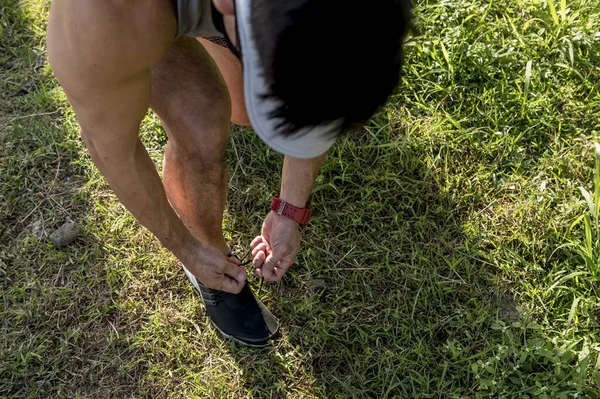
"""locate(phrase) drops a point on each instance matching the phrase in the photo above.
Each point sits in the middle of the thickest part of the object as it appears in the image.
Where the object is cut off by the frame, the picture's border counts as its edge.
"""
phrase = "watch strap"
(283, 208)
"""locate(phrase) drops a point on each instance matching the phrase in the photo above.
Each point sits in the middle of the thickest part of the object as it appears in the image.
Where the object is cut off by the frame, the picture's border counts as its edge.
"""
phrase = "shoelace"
(218, 296)
(214, 297)
(249, 261)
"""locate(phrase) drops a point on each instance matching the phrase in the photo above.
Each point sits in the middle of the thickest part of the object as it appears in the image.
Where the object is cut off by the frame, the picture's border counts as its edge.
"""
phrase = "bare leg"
(231, 69)
(191, 99)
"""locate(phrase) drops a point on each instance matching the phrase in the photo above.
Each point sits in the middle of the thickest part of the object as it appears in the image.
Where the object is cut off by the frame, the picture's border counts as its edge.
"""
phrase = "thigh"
(231, 69)
(102, 53)
(190, 96)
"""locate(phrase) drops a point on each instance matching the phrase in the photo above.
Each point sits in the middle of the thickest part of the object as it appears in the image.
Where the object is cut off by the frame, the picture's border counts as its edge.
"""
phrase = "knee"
(200, 142)
(208, 109)
(200, 130)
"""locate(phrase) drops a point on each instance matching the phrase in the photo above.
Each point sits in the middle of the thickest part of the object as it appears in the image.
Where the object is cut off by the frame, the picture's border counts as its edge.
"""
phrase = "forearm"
(298, 178)
(134, 179)
(276, 248)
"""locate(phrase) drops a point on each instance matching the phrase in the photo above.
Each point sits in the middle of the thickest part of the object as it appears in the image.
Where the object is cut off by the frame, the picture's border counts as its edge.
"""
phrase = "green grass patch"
(457, 234)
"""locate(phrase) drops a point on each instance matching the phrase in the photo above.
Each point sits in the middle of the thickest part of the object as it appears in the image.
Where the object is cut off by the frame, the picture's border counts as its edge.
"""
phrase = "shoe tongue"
(244, 301)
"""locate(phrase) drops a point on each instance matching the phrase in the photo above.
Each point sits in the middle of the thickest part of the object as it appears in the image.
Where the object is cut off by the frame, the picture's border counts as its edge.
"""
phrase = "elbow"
(111, 152)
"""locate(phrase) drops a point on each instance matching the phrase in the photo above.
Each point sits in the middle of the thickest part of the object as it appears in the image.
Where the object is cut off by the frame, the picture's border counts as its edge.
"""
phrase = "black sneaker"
(241, 317)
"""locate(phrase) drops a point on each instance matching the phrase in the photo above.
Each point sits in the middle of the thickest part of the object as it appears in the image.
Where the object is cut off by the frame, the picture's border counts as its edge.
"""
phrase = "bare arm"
(105, 72)
(276, 248)
(298, 178)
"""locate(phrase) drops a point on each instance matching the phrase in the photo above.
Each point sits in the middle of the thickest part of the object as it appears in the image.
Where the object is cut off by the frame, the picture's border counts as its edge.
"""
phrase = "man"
(307, 71)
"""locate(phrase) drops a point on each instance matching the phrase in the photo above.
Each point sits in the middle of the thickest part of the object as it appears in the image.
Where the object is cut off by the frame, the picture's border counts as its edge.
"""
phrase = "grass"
(459, 253)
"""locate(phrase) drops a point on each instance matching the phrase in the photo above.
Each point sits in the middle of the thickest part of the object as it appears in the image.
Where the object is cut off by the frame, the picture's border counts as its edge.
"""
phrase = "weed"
(459, 257)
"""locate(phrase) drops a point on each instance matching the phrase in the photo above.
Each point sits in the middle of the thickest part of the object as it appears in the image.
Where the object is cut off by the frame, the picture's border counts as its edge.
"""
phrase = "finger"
(285, 264)
(270, 263)
(261, 239)
(259, 259)
(256, 241)
(234, 260)
(282, 268)
(231, 285)
(260, 247)
(269, 249)
(235, 272)
(277, 273)
(259, 272)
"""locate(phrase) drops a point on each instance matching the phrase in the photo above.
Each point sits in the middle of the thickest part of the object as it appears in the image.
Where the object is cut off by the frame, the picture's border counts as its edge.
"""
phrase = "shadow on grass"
(387, 297)
(394, 293)
(111, 315)
(63, 334)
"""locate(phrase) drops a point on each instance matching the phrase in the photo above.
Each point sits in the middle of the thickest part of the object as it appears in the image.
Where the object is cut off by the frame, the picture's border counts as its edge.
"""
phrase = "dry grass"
(440, 233)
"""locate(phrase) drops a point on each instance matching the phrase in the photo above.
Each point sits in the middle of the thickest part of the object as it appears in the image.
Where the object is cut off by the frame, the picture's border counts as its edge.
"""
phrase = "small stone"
(65, 235)
(37, 230)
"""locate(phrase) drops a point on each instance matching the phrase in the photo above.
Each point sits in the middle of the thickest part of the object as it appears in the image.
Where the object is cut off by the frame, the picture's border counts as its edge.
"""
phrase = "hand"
(275, 250)
(213, 269)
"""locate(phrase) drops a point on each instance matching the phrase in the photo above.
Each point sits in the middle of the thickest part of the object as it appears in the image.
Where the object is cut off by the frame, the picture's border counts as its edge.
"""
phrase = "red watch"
(300, 215)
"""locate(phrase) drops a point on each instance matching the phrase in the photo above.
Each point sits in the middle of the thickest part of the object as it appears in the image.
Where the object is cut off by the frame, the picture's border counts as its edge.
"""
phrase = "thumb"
(269, 265)
(230, 285)
(234, 271)
(234, 259)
